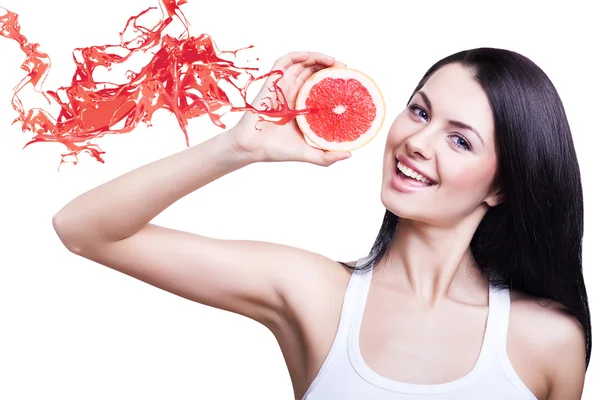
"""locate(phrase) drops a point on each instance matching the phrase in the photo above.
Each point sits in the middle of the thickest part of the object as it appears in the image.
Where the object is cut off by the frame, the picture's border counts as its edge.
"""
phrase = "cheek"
(470, 177)
(399, 128)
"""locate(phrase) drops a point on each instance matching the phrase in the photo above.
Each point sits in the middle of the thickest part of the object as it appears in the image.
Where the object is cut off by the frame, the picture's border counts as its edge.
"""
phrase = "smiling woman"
(488, 127)
(132, 303)
(483, 220)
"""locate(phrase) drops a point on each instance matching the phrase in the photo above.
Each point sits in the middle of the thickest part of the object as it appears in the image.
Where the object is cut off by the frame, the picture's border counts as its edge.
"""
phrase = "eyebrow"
(450, 121)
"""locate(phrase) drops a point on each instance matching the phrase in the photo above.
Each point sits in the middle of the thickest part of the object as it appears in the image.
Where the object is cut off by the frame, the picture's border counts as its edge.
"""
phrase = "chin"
(401, 208)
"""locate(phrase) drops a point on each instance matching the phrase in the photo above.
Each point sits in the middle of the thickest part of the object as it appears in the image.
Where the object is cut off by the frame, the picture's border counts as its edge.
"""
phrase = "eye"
(417, 108)
(461, 143)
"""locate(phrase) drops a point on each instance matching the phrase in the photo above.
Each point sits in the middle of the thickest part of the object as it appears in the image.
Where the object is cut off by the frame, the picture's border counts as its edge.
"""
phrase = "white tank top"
(345, 375)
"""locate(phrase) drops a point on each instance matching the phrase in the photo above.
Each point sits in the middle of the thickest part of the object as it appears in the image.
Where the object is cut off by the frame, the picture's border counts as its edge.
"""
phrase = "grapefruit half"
(347, 109)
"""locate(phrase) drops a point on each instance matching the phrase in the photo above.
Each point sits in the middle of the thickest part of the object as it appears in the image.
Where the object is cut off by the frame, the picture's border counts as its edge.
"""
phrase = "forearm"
(121, 207)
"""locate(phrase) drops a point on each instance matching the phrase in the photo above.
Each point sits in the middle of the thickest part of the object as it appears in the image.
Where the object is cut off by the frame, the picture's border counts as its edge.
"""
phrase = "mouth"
(411, 177)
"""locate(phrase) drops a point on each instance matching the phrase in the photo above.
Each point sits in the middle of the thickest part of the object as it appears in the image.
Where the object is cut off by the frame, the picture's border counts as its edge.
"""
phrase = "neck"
(434, 262)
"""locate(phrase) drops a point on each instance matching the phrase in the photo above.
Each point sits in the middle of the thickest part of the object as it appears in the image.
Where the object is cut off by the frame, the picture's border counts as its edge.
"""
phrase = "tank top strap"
(355, 291)
(351, 297)
(500, 336)
(499, 315)
(338, 348)
(353, 300)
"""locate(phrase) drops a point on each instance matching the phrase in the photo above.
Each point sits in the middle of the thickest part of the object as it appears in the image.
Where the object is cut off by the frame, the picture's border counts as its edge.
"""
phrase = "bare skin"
(298, 294)
(430, 332)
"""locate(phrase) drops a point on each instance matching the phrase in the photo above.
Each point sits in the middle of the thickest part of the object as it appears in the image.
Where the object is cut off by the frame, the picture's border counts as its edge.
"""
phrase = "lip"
(402, 185)
(404, 160)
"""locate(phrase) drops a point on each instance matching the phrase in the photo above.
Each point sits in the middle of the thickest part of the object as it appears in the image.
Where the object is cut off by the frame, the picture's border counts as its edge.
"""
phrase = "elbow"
(66, 233)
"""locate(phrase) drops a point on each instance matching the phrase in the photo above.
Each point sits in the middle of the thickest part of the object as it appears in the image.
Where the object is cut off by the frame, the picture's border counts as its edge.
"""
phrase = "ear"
(495, 198)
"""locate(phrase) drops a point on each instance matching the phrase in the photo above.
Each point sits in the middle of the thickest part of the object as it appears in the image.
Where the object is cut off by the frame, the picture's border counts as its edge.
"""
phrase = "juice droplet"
(184, 76)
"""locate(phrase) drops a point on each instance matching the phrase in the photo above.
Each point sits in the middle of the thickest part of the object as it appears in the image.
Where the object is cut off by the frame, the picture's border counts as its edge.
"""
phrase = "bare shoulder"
(316, 288)
(542, 333)
(314, 296)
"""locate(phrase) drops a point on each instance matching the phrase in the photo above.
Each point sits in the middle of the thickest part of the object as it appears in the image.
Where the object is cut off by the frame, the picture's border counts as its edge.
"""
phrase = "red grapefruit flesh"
(346, 107)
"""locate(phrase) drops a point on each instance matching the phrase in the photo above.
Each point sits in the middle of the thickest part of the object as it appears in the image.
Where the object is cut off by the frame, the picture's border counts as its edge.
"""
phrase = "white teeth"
(409, 172)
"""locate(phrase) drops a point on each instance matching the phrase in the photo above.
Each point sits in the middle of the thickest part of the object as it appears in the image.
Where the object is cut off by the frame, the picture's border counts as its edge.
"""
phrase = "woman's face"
(461, 162)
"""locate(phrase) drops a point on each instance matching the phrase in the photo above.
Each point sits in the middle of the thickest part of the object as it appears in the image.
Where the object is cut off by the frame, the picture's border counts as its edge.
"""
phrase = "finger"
(295, 70)
(315, 59)
(306, 72)
(323, 59)
(319, 58)
(326, 158)
(302, 74)
(291, 59)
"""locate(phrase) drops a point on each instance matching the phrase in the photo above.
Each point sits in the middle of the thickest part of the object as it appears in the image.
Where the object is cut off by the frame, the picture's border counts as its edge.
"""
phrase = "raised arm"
(110, 225)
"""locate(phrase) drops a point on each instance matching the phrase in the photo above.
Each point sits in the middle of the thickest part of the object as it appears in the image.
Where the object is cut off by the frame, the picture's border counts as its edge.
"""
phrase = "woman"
(496, 228)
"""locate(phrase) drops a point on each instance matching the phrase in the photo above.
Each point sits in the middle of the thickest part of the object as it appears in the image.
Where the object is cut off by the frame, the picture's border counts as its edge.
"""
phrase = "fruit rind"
(344, 73)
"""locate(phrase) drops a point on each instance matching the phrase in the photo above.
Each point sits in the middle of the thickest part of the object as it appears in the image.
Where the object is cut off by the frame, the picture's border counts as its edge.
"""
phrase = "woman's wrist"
(247, 147)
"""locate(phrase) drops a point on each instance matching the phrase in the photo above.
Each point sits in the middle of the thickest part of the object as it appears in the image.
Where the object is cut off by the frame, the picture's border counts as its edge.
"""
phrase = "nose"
(421, 143)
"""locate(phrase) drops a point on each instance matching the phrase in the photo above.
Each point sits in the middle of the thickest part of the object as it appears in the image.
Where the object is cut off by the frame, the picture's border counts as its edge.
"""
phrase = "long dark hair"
(532, 241)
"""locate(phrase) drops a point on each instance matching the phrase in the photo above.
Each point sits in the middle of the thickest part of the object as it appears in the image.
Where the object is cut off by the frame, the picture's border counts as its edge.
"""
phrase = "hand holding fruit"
(285, 142)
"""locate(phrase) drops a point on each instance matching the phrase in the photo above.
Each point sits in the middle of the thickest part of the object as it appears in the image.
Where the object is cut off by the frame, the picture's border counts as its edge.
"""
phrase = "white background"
(73, 329)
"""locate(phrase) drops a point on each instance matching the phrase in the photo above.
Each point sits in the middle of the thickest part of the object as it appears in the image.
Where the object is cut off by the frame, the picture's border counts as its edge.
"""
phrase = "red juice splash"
(183, 77)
